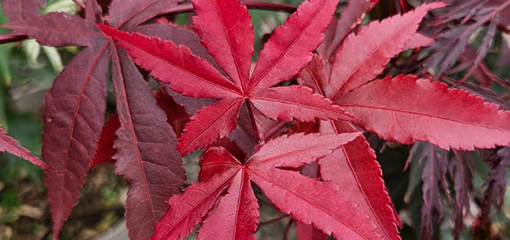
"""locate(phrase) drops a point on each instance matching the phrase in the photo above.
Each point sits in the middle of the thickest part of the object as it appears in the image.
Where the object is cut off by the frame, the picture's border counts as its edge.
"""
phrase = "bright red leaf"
(417, 109)
(327, 207)
(105, 150)
(364, 55)
(286, 52)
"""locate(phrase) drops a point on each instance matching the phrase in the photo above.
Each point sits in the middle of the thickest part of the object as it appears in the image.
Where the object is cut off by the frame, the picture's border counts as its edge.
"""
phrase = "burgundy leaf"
(496, 184)
(59, 29)
(434, 172)
(177, 116)
(73, 118)
(461, 170)
(308, 232)
(17, 10)
(8, 144)
(127, 13)
(146, 155)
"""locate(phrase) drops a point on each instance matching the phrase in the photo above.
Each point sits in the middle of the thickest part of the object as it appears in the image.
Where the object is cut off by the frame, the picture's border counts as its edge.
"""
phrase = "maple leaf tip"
(107, 30)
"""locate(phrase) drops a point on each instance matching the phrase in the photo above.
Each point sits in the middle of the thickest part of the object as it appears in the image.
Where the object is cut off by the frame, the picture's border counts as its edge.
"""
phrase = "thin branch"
(186, 8)
(273, 220)
(12, 37)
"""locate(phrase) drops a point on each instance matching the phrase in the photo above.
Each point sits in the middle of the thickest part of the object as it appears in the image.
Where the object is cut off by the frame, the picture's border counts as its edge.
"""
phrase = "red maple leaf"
(225, 203)
(75, 108)
(404, 109)
(226, 31)
(8, 144)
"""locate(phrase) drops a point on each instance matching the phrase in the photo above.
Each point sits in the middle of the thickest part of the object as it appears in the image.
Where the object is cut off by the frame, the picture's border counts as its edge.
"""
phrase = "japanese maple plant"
(314, 72)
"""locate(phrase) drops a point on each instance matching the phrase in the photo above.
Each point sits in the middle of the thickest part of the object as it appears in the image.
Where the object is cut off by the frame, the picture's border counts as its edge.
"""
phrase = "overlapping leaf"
(417, 109)
(327, 207)
(75, 111)
(7, 144)
(287, 51)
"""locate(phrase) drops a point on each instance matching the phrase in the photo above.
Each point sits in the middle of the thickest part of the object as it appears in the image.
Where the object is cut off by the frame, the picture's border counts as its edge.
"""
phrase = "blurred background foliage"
(28, 69)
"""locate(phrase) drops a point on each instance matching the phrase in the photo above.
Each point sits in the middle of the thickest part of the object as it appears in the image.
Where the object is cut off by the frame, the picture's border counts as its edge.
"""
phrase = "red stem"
(12, 37)
(272, 220)
(402, 6)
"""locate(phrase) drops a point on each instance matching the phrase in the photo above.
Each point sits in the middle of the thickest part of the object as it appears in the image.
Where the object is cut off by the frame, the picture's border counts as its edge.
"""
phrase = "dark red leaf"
(127, 13)
(73, 118)
(8, 144)
(177, 116)
(434, 172)
(17, 10)
(496, 184)
(461, 170)
(308, 232)
(59, 29)
(146, 155)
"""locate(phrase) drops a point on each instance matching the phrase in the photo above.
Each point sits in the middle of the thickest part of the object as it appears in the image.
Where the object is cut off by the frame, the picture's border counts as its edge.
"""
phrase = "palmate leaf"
(284, 55)
(327, 208)
(8, 144)
(75, 108)
(406, 109)
(387, 113)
